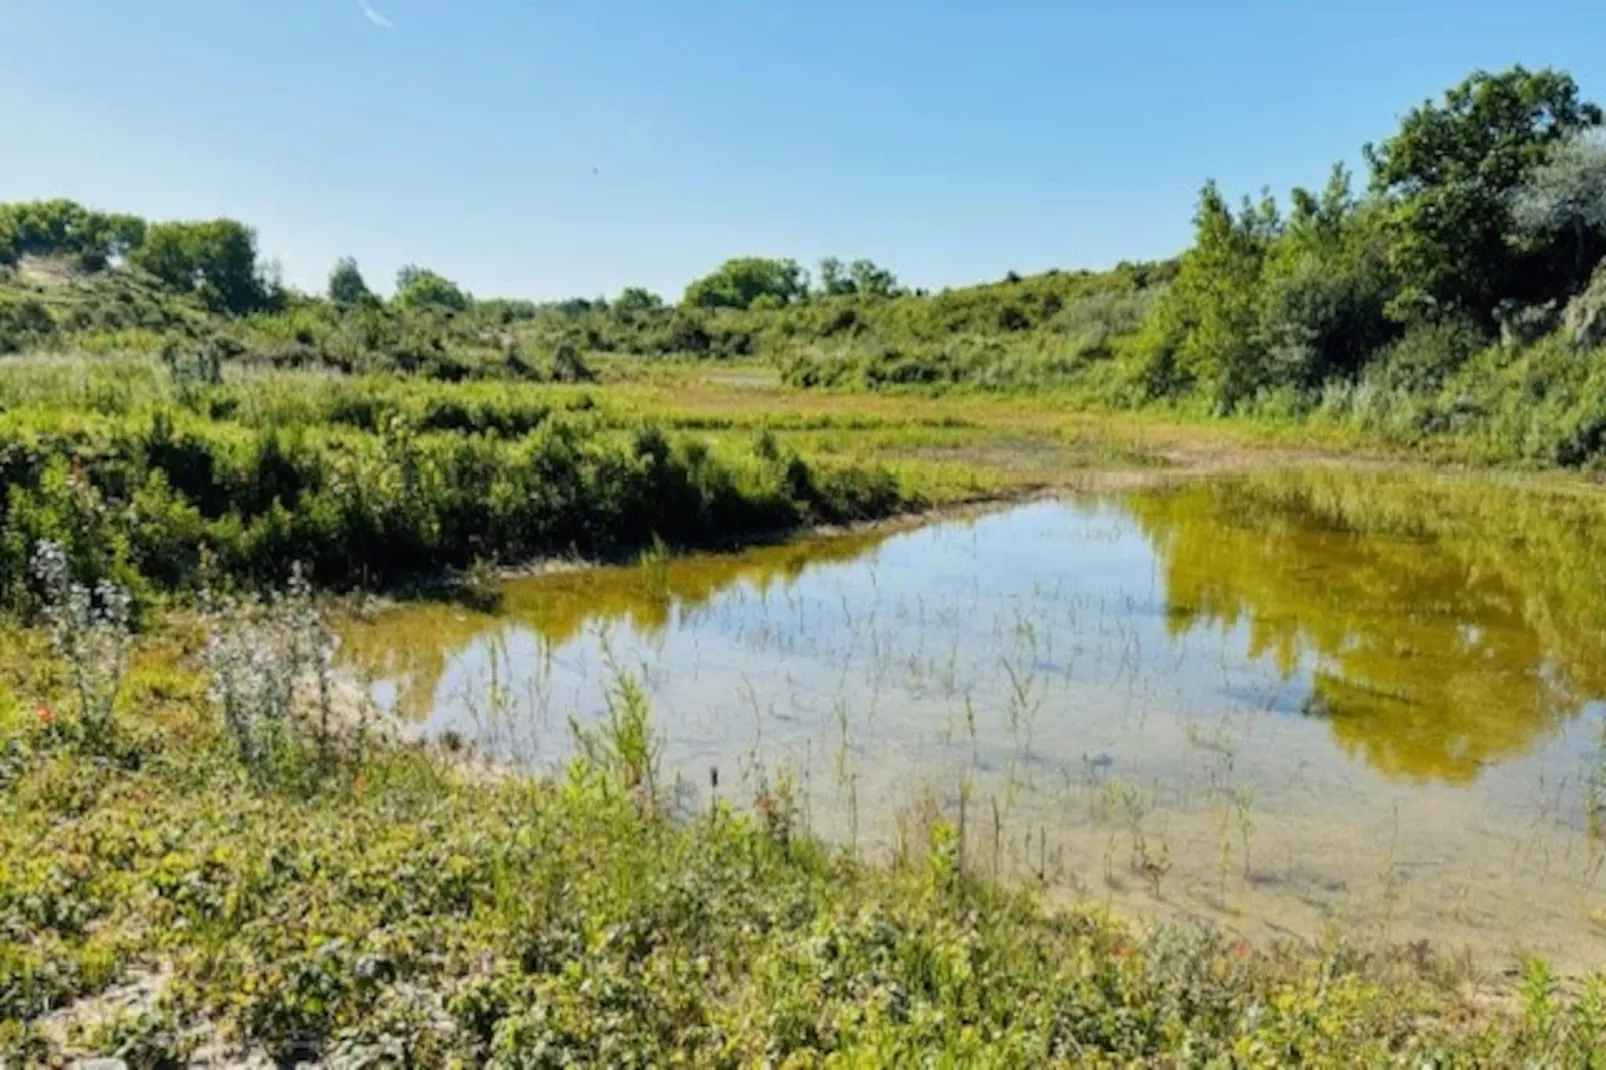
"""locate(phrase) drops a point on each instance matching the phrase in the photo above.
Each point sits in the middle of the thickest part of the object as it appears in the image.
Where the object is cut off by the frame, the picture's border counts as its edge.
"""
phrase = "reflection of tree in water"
(1453, 623)
(413, 645)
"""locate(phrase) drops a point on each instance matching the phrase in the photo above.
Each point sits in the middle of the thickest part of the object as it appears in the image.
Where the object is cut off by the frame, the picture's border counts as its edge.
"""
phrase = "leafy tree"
(872, 281)
(420, 289)
(108, 238)
(1205, 330)
(636, 299)
(65, 228)
(346, 285)
(1326, 288)
(834, 279)
(1562, 209)
(215, 260)
(741, 281)
(1450, 174)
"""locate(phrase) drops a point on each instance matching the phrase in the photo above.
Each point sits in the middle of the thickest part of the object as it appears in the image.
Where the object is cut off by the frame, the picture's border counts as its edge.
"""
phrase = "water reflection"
(412, 646)
(1302, 699)
(1437, 625)
(1451, 624)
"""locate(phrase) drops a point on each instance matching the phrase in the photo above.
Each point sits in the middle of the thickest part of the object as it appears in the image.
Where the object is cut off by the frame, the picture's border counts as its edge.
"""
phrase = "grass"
(160, 900)
(205, 862)
(155, 483)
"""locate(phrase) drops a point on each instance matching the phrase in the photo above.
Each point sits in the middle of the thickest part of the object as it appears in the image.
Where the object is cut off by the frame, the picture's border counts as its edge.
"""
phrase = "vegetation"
(219, 871)
(160, 485)
(203, 845)
(1456, 298)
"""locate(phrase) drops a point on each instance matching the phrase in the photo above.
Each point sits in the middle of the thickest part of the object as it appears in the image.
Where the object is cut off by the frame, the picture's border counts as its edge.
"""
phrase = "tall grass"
(372, 484)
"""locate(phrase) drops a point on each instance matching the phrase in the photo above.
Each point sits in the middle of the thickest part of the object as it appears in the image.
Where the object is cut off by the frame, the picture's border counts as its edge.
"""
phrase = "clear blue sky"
(544, 149)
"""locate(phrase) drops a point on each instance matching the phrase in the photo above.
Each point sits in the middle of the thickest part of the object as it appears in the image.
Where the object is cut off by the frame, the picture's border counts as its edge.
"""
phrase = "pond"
(1294, 703)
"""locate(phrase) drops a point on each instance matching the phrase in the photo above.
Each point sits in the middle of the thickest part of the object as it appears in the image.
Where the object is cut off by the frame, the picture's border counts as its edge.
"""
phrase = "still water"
(1288, 702)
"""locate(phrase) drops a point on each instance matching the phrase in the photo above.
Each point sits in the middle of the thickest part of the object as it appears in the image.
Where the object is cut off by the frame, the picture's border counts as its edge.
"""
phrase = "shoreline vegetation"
(210, 866)
(203, 862)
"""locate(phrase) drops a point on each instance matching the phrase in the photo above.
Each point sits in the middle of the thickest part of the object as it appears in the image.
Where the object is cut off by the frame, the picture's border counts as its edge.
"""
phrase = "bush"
(24, 322)
(396, 483)
(1585, 316)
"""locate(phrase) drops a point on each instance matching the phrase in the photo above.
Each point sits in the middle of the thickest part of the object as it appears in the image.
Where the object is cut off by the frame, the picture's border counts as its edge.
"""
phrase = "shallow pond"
(1287, 702)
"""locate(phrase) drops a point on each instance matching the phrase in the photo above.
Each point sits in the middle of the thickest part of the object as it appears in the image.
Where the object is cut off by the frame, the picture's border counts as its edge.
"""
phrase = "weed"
(624, 744)
(271, 666)
(91, 632)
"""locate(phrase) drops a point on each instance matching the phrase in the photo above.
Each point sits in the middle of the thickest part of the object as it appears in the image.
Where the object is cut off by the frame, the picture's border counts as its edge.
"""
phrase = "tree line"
(1481, 220)
(1483, 216)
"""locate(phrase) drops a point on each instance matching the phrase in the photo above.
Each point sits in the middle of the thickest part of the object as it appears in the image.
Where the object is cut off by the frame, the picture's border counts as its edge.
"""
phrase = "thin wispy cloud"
(374, 16)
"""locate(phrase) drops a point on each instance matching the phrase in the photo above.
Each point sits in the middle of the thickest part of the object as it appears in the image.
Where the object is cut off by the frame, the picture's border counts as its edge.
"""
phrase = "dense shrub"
(143, 499)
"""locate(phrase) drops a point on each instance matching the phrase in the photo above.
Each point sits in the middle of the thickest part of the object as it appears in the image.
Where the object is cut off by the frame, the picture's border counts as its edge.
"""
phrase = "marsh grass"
(384, 481)
(623, 744)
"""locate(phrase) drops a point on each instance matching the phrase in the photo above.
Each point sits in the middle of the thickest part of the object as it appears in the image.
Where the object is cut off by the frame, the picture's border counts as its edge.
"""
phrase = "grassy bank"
(168, 893)
(163, 485)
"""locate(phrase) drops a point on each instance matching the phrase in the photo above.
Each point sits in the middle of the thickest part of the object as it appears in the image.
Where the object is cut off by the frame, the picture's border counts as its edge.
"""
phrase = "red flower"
(47, 716)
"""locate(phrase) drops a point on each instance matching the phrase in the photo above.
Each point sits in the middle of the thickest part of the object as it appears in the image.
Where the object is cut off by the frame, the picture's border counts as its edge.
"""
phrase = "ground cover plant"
(222, 871)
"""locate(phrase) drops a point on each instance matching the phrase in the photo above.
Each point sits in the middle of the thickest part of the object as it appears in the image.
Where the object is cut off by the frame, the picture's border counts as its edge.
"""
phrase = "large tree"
(1450, 174)
(347, 288)
(420, 289)
(740, 282)
(216, 260)
(1561, 210)
(65, 228)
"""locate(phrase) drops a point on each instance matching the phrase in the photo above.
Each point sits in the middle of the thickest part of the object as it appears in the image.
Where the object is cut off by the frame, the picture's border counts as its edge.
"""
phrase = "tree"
(1560, 211)
(636, 299)
(420, 289)
(216, 260)
(741, 281)
(1205, 329)
(106, 238)
(1450, 174)
(1326, 287)
(834, 279)
(872, 281)
(65, 228)
(346, 285)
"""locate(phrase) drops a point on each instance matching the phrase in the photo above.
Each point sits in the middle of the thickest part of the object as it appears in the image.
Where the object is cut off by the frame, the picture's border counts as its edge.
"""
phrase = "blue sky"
(544, 149)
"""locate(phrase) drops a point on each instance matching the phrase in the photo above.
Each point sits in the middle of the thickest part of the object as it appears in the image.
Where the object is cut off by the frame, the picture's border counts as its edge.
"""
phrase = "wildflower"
(47, 716)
